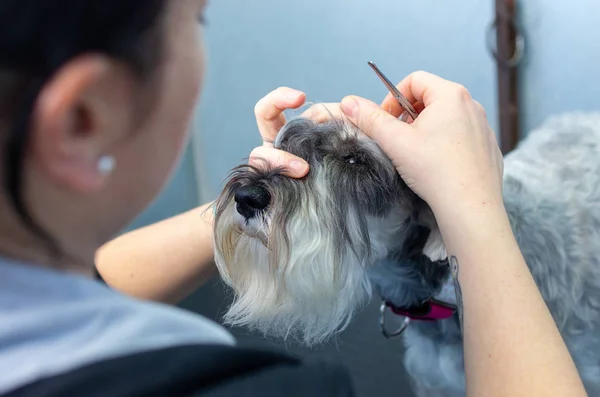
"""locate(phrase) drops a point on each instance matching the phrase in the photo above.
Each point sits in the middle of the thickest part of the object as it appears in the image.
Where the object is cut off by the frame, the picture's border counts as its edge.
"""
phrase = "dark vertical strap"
(508, 54)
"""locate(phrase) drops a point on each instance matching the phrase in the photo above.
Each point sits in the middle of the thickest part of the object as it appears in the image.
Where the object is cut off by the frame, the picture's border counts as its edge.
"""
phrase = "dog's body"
(305, 261)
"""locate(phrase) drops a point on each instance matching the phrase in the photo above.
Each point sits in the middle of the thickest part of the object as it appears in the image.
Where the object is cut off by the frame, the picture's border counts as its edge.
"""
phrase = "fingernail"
(292, 95)
(349, 106)
(299, 166)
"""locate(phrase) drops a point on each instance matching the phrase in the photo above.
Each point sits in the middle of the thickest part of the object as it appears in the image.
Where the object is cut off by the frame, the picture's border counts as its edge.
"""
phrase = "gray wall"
(321, 47)
(562, 68)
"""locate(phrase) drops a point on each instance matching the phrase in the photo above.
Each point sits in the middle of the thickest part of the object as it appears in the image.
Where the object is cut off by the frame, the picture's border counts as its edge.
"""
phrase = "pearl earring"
(106, 164)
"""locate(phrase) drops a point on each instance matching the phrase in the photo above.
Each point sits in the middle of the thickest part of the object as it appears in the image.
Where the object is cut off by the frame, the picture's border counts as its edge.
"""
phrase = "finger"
(293, 166)
(269, 111)
(419, 107)
(374, 121)
(418, 87)
(393, 107)
(323, 112)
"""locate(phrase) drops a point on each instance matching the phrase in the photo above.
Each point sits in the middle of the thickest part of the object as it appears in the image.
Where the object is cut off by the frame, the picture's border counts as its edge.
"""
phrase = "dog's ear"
(434, 248)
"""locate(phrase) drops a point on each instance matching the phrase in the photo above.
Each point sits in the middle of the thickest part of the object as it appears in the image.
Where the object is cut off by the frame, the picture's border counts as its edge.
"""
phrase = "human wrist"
(465, 224)
(466, 208)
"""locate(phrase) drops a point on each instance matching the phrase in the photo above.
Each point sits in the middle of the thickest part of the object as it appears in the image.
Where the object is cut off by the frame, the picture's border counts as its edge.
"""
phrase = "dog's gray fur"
(308, 262)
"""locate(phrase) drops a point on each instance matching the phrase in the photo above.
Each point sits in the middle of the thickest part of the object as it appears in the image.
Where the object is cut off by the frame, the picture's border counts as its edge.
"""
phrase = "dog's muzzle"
(251, 200)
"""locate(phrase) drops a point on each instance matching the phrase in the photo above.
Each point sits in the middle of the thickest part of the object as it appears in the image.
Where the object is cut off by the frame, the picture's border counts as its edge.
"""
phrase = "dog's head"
(295, 251)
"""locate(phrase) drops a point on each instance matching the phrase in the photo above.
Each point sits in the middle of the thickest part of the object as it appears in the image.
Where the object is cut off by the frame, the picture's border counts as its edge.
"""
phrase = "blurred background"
(322, 47)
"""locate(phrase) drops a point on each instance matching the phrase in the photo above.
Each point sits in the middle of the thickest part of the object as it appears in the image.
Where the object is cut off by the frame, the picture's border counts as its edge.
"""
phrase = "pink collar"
(439, 307)
(430, 310)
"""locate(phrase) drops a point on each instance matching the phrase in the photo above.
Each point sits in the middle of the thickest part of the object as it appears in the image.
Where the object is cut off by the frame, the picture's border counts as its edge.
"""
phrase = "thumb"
(371, 119)
(293, 166)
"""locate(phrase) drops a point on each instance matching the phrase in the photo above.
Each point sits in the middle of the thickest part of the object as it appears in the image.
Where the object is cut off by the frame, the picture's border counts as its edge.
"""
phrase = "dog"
(302, 256)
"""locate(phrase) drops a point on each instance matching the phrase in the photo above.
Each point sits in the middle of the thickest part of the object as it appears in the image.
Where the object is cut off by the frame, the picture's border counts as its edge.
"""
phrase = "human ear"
(82, 112)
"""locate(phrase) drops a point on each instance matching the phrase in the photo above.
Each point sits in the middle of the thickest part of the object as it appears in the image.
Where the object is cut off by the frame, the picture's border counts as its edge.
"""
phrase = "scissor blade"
(406, 105)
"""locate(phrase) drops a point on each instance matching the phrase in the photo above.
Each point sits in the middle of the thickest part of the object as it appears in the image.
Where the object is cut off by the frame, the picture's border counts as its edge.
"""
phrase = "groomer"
(170, 259)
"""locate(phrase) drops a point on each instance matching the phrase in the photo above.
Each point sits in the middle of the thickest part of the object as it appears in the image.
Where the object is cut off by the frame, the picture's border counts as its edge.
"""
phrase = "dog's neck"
(440, 305)
(407, 277)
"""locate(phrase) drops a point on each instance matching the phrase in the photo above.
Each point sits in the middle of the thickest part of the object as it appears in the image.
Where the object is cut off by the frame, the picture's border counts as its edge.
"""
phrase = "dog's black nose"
(251, 199)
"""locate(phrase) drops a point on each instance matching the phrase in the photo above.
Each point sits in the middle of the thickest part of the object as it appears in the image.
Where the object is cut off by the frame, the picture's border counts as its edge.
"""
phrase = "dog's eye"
(351, 159)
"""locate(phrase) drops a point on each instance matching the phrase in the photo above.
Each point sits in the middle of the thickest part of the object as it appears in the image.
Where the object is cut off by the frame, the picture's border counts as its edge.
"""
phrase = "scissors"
(406, 105)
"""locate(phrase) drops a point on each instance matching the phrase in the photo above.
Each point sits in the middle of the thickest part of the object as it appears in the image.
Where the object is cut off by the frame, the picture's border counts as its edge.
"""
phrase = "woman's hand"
(270, 119)
(449, 155)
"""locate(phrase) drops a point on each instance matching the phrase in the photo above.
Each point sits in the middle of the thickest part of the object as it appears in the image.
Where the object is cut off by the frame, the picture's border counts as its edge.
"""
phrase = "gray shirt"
(52, 322)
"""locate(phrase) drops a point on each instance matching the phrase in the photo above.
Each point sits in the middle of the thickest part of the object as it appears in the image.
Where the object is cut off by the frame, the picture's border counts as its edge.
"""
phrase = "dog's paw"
(434, 247)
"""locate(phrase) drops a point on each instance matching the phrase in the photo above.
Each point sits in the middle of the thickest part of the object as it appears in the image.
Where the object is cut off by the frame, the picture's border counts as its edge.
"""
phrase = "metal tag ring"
(519, 45)
(382, 327)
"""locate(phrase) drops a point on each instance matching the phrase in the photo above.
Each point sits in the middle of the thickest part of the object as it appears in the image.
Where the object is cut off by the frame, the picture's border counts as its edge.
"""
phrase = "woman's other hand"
(270, 119)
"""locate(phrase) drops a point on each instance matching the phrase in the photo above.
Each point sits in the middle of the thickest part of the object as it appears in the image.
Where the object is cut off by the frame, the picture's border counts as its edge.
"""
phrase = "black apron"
(197, 370)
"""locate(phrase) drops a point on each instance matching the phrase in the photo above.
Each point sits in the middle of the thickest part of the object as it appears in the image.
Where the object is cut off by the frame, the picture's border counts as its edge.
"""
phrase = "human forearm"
(165, 261)
(512, 345)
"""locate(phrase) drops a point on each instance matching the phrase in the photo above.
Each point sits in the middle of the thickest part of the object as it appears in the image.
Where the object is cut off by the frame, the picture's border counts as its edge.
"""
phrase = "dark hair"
(38, 37)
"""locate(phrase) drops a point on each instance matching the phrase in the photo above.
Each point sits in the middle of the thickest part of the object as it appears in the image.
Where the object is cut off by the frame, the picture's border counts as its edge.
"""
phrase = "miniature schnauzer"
(303, 255)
